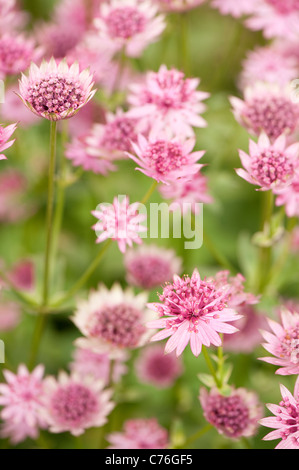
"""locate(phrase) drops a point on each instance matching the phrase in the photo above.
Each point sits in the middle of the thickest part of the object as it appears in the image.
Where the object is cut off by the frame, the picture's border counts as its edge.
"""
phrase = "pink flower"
(16, 54)
(236, 415)
(22, 275)
(236, 294)
(75, 404)
(11, 18)
(168, 102)
(139, 434)
(275, 18)
(268, 108)
(10, 314)
(58, 38)
(150, 266)
(89, 363)
(13, 187)
(22, 399)
(130, 25)
(178, 5)
(192, 310)
(119, 221)
(166, 160)
(112, 321)
(285, 419)
(187, 193)
(270, 166)
(235, 8)
(56, 91)
(155, 367)
(283, 343)
(5, 135)
(13, 110)
(288, 196)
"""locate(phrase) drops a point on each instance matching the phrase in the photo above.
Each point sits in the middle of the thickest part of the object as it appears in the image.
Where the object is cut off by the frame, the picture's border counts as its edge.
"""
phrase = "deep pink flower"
(178, 5)
(5, 135)
(285, 420)
(139, 434)
(235, 8)
(22, 275)
(150, 266)
(16, 54)
(75, 404)
(129, 25)
(155, 367)
(192, 310)
(168, 102)
(269, 108)
(56, 91)
(119, 221)
(166, 160)
(236, 415)
(112, 321)
(283, 343)
(289, 197)
(22, 399)
(270, 166)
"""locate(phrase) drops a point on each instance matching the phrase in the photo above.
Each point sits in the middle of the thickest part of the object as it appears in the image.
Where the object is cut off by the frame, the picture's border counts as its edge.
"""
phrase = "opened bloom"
(285, 420)
(75, 404)
(56, 91)
(5, 134)
(270, 166)
(119, 221)
(192, 311)
(283, 343)
(139, 434)
(289, 197)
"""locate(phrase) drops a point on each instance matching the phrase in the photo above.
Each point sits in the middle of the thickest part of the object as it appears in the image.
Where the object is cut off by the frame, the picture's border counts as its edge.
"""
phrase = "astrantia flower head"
(267, 108)
(178, 5)
(150, 266)
(56, 91)
(236, 415)
(139, 434)
(22, 398)
(283, 343)
(237, 294)
(289, 197)
(235, 8)
(155, 367)
(285, 420)
(119, 221)
(5, 135)
(192, 310)
(112, 321)
(16, 54)
(168, 102)
(270, 166)
(130, 25)
(166, 160)
(75, 404)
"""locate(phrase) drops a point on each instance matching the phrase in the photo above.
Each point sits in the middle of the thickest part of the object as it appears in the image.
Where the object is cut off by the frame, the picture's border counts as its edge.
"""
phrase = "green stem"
(149, 193)
(265, 255)
(37, 335)
(211, 367)
(217, 255)
(195, 437)
(184, 59)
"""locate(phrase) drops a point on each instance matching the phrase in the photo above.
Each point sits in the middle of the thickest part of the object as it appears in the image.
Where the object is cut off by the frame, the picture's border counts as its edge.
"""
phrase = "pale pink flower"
(16, 54)
(237, 296)
(75, 12)
(285, 420)
(11, 18)
(276, 18)
(166, 160)
(187, 193)
(10, 314)
(129, 25)
(168, 102)
(89, 363)
(283, 343)
(178, 5)
(267, 107)
(22, 398)
(192, 310)
(270, 166)
(155, 367)
(289, 197)
(56, 91)
(236, 415)
(150, 266)
(75, 404)
(5, 135)
(235, 8)
(13, 110)
(139, 434)
(112, 321)
(13, 187)
(82, 122)
(120, 221)
(58, 39)
(268, 64)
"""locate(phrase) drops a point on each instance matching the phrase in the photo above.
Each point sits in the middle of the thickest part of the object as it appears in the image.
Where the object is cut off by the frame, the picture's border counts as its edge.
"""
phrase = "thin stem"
(265, 255)
(211, 367)
(217, 255)
(149, 193)
(195, 437)
(184, 59)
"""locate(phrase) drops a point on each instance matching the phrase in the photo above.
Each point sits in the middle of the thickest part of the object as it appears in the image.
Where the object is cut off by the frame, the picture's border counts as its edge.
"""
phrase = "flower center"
(289, 346)
(272, 114)
(165, 156)
(284, 7)
(119, 134)
(150, 271)
(73, 404)
(118, 324)
(125, 22)
(271, 167)
(55, 95)
(228, 414)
